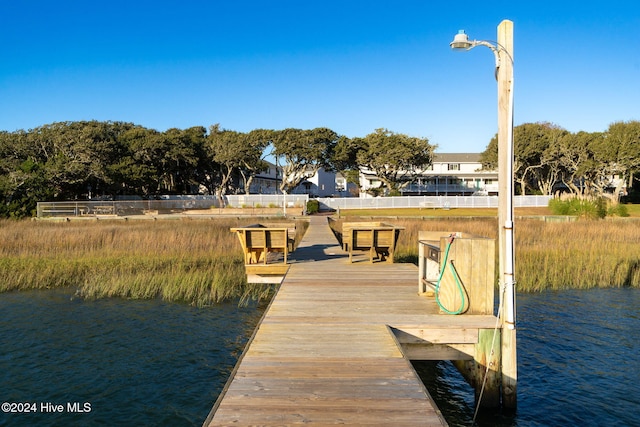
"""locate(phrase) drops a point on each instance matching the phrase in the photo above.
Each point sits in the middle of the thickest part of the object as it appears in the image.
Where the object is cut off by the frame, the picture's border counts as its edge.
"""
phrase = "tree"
(76, 154)
(395, 158)
(179, 158)
(534, 163)
(137, 169)
(225, 147)
(577, 162)
(548, 173)
(623, 156)
(344, 158)
(304, 152)
(252, 155)
(22, 181)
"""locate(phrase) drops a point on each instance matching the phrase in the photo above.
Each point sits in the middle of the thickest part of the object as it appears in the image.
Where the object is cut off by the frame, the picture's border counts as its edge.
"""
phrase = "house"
(450, 174)
(320, 184)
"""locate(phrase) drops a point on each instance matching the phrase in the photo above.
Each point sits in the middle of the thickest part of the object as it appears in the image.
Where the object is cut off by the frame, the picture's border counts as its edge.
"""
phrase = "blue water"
(157, 364)
(579, 363)
(134, 362)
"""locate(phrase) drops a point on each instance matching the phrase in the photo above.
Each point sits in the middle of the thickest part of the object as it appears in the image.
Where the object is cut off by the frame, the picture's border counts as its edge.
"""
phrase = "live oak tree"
(578, 162)
(535, 161)
(137, 169)
(623, 154)
(22, 180)
(395, 158)
(251, 156)
(304, 153)
(237, 152)
(224, 146)
(547, 174)
(344, 158)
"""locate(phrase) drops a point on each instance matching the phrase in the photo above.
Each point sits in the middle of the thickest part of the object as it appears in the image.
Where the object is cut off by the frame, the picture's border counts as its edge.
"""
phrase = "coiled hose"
(456, 277)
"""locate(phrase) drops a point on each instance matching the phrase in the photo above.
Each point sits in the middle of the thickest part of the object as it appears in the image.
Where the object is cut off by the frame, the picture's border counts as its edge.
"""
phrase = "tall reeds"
(200, 261)
(196, 261)
(581, 254)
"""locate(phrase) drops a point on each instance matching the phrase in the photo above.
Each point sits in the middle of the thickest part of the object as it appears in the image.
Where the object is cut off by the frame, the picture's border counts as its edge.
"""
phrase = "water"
(133, 362)
(579, 364)
(154, 364)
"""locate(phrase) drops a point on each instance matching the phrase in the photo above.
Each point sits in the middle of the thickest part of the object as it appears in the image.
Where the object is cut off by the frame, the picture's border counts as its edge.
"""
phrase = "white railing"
(182, 204)
(435, 202)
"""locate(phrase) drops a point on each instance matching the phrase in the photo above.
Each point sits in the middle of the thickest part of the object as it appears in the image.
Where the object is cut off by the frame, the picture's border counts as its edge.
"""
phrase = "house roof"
(456, 158)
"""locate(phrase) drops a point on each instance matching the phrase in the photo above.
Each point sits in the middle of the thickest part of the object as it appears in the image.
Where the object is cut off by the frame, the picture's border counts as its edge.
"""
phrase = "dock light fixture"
(461, 42)
(503, 51)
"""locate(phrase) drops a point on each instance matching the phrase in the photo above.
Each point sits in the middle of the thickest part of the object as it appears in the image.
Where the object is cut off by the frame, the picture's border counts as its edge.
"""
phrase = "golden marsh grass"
(549, 255)
(200, 261)
(195, 261)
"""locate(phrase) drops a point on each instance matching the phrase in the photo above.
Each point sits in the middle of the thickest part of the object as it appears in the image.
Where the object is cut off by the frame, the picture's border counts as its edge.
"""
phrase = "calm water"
(151, 363)
(579, 363)
(144, 363)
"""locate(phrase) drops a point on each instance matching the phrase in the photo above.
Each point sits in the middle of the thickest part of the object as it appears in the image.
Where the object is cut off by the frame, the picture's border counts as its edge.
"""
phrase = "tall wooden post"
(505, 214)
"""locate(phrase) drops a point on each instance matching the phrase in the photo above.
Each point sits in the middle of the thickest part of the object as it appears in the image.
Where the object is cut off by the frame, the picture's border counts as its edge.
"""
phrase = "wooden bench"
(291, 231)
(258, 241)
(378, 238)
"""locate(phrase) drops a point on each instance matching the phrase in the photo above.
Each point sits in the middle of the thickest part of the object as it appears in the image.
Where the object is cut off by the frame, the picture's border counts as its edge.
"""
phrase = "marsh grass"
(194, 261)
(200, 261)
(581, 254)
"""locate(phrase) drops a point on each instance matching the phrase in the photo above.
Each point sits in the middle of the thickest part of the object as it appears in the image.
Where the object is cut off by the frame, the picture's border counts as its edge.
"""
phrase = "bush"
(313, 206)
(584, 208)
(559, 207)
(618, 210)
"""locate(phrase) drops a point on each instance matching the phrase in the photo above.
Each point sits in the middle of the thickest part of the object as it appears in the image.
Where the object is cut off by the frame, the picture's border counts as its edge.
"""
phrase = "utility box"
(464, 264)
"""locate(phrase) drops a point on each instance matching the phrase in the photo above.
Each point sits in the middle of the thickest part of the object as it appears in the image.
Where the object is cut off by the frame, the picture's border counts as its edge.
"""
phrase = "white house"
(449, 174)
(321, 184)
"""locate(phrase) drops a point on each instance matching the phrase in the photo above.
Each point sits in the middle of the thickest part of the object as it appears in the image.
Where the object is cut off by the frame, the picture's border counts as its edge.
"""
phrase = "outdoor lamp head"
(461, 41)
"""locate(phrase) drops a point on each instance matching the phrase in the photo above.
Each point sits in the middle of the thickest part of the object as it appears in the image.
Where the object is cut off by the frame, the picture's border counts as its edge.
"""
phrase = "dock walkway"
(324, 352)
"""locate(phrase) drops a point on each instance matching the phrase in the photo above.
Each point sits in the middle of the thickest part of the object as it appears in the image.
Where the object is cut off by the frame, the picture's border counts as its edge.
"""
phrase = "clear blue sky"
(352, 66)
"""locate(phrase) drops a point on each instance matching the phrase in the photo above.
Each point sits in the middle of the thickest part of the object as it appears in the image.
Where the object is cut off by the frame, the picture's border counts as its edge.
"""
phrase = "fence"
(184, 204)
(435, 202)
(166, 205)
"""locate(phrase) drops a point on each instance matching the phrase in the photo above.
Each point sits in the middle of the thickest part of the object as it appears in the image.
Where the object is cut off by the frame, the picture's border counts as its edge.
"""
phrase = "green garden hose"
(456, 277)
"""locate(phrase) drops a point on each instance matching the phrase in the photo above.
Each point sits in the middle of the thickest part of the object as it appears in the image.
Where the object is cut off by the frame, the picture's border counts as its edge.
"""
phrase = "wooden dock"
(335, 343)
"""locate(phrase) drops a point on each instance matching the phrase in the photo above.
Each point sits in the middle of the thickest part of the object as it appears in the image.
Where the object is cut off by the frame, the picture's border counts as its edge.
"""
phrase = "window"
(453, 166)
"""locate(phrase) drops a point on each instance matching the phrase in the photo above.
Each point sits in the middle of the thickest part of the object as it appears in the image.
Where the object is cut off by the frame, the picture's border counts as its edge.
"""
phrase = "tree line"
(548, 158)
(75, 160)
(90, 159)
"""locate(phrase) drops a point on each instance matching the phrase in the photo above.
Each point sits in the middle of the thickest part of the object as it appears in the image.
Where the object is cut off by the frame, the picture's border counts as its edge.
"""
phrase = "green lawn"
(633, 209)
(429, 212)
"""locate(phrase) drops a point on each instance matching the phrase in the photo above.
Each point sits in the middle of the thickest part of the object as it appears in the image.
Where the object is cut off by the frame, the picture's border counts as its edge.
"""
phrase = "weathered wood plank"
(324, 353)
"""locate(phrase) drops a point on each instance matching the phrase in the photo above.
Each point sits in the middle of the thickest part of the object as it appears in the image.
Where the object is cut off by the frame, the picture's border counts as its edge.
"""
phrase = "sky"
(350, 65)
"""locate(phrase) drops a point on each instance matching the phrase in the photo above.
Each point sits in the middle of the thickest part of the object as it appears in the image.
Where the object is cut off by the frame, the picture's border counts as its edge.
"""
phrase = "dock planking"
(327, 350)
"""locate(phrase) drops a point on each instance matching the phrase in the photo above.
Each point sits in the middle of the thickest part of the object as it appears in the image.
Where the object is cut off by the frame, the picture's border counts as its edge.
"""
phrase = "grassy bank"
(194, 261)
(633, 211)
(200, 262)
(440, 213)
(582, 254)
